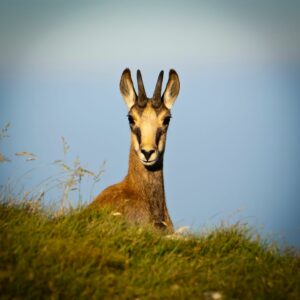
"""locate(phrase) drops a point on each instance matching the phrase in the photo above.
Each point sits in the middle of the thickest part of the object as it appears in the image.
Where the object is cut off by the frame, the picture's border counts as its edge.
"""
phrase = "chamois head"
(149, 117)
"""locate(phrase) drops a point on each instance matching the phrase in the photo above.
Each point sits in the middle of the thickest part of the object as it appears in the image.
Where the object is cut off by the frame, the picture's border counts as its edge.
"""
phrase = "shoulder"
(114, 194)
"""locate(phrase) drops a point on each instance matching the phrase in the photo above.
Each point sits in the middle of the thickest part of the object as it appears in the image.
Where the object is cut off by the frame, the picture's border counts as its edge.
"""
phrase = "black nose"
(147, 154)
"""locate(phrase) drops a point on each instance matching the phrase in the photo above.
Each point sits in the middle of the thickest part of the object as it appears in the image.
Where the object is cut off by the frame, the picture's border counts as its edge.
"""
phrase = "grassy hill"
(98, 256)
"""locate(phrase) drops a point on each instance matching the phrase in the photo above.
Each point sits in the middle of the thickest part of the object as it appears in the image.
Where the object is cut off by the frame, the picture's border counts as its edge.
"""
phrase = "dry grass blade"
(3, 158)
(65, 167)
(4, 131)
(29, 156)
(88, 172)
(4, 134)
(79, 172)
(58, 161)
(97, 176)
(76, 162)
(65, 145)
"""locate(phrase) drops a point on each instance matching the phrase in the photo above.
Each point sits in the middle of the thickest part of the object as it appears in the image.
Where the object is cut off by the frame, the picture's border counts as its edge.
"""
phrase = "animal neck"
(144, 178)
(148, 183)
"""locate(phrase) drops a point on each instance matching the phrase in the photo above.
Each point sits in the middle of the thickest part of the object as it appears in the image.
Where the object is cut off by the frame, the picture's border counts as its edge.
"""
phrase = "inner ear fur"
(127, 88)
(172, 89)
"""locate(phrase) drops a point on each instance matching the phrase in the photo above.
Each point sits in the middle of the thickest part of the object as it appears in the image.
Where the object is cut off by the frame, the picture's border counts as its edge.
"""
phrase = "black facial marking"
(137, 132)
(158, 135)
(167, 120)
(130, 120)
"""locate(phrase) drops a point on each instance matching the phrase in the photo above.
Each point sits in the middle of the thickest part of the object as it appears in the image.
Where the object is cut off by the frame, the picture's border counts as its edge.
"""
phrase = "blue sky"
(233, 144)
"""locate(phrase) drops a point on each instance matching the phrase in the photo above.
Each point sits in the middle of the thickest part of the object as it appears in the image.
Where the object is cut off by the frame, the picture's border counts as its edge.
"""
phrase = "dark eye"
(130, 120)
(167, 120)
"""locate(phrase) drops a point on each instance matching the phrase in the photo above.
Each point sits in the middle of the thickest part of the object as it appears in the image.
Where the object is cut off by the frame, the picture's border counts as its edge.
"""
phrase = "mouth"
(148, 162)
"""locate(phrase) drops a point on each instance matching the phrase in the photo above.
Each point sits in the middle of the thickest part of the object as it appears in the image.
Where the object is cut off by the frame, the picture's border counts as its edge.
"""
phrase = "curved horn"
(142, 98)
(157, 92)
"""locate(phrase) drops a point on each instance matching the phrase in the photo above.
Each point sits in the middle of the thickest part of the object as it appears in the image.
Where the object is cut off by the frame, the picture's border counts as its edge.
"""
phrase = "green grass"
(86, 255)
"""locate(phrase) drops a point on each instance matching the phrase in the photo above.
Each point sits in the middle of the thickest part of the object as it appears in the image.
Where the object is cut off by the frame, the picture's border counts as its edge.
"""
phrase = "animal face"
(149, 118)
(148, 131)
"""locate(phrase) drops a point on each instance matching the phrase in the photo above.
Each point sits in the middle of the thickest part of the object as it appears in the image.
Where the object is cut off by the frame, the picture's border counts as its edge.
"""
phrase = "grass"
(96, 255)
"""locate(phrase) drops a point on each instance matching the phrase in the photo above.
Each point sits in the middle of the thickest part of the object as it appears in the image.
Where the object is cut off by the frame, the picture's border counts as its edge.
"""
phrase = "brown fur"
(140, 197)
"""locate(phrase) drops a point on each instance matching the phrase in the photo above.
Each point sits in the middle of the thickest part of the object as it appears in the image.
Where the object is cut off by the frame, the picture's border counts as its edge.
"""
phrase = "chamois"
(140, 197)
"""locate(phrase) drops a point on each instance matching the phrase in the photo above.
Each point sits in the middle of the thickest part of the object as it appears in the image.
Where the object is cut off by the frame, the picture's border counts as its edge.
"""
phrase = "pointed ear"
(127, 88)
(172, 89)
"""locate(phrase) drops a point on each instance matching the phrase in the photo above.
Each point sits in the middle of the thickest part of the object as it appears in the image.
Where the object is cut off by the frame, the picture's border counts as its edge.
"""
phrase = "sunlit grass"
(90, 255)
